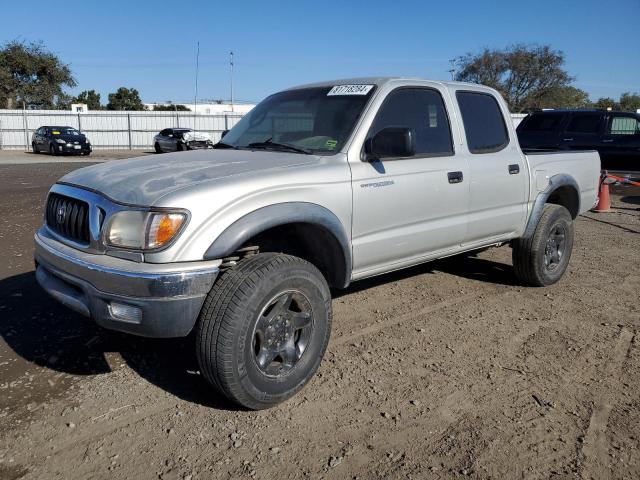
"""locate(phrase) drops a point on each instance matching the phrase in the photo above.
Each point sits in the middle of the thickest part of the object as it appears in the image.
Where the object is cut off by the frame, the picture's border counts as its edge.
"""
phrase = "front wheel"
(34, 148)
(157, 148)
(263, 329)
(542, 259)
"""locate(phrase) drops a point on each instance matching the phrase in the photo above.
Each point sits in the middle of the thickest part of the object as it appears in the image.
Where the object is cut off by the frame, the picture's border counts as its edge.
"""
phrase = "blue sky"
(151, 45)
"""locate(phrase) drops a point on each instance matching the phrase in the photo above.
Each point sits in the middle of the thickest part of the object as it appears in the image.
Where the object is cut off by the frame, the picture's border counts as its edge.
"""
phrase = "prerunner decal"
(350, 90)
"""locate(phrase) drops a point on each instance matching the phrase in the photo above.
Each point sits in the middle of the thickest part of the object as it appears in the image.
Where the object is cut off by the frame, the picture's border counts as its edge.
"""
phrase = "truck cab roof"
(381, 81)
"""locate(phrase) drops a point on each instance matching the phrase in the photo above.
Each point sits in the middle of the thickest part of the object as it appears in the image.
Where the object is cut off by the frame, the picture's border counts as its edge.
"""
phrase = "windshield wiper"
(225, 145)
(270, 144)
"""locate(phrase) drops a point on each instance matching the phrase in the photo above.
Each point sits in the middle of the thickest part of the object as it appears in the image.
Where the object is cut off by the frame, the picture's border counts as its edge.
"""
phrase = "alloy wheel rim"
(282, 332)
(554, 248)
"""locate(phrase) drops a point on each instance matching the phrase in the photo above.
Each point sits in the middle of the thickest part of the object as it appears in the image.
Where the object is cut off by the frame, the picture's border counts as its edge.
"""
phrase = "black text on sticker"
(350, 90)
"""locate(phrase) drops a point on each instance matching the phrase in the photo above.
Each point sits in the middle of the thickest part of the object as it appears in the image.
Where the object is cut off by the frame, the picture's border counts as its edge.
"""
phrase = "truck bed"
(584, 167)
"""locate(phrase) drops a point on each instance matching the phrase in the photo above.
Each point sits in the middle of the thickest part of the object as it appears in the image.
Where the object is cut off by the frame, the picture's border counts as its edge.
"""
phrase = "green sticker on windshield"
(331, 144)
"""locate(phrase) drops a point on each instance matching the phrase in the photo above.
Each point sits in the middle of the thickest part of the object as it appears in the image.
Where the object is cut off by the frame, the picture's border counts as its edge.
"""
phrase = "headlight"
(143, 230)
(59, 140)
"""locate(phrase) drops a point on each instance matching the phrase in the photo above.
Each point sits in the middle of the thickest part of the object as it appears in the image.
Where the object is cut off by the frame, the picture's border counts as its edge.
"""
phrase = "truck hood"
(144, 180)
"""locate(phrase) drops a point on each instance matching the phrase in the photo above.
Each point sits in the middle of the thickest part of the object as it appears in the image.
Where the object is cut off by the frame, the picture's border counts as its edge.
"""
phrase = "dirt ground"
(447, 370)
(19, 157)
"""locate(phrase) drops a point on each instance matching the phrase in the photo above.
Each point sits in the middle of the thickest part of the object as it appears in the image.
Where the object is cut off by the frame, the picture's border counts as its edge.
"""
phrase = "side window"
(623, 125)
(542, 122)
(423, 110)
(584, 123)
(483, 122)
(165, 132)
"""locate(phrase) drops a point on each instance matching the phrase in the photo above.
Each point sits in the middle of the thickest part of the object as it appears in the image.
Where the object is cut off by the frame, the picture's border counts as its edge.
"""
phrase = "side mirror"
(224, 132)
(391, 142)
(170, 135)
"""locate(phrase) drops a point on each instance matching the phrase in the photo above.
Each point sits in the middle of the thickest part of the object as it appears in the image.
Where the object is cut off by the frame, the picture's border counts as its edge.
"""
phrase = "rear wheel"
(542, 259)
(263, 329)
(157, 148)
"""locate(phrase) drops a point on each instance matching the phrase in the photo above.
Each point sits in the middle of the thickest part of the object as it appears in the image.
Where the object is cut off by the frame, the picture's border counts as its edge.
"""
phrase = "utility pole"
(195, 98)
(231, 71)
(452, 70)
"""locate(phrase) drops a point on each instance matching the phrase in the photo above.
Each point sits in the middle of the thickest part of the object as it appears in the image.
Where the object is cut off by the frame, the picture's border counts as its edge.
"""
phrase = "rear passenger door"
(582, 131)
(163, 138)
(407, 208)
(498, 179)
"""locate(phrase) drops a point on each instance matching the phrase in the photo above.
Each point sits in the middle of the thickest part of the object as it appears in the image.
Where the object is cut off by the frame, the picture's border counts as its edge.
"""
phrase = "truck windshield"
(311, 120)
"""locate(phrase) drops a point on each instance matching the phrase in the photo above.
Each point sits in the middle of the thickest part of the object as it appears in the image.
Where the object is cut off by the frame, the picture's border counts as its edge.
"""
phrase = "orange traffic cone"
(604, 201)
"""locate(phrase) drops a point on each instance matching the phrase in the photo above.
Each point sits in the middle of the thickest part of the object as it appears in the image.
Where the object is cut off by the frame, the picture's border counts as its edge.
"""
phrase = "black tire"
(34, 148)
(542, 259)
(230, 340)
(179, 147)
(157, 148)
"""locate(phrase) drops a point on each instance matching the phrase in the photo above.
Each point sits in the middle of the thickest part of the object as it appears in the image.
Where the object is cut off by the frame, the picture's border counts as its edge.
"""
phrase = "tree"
(629, 102)
(125, 99)
(172, 108)
(564, 97)
(606, 103)
(31, 74)
(528, 77)
(91, 98)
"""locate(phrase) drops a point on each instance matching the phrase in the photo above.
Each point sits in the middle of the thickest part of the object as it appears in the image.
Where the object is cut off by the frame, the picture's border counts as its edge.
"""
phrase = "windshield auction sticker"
(350, 90)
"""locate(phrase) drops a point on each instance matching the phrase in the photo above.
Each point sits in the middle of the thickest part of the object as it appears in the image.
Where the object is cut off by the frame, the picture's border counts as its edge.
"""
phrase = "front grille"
(68, 217)
(198, 144)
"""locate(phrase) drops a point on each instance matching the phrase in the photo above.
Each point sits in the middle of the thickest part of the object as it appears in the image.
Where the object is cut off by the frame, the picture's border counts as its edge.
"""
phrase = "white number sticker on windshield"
(350, 90)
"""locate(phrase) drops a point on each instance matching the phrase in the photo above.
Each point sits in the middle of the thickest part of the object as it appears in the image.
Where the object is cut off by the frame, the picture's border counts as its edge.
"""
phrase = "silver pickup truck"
(318, 186)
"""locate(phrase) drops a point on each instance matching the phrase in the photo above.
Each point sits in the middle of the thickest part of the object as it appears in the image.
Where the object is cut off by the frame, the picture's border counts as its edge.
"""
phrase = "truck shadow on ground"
(46, 334)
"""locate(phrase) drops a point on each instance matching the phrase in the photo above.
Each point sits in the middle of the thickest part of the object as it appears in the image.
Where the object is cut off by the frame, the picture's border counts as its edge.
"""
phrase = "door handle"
(567, 139)
(607, 140)
(514, 169)
(455, 177)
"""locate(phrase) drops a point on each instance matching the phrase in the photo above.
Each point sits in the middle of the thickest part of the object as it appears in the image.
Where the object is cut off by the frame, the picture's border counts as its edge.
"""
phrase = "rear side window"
(541, 122)
(483, 122)
(584, 123)
(422, 110)
(624, 126)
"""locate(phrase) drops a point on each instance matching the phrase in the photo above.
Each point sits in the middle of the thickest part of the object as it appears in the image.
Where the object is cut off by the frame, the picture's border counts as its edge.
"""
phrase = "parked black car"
(177, 139)
(60, 140)
(615, 135)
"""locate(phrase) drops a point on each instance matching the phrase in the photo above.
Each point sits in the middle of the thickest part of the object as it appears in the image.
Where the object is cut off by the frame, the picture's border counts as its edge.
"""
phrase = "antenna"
(231, 72)
(195, 97)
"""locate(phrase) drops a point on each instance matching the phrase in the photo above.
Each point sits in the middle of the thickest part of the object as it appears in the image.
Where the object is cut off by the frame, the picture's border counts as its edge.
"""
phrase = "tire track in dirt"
(595, 445)
(371, 329)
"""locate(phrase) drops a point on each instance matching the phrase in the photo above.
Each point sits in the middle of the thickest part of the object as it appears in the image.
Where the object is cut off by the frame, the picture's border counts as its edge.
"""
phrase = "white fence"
(116, 130)
(108, 129)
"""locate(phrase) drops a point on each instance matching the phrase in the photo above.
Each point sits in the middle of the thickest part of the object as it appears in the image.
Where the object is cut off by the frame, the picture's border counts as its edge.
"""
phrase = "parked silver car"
(179, 139)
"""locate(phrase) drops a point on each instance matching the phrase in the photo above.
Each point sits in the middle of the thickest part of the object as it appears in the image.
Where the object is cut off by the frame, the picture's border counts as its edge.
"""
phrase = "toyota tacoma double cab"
(318, 186)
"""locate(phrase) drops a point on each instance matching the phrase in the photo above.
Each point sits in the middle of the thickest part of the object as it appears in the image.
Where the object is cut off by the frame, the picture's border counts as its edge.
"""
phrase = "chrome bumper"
(163, 300)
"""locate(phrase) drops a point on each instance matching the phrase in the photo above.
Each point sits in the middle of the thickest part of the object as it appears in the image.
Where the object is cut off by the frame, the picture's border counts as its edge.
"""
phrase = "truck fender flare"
(276, 215)
(555, 182)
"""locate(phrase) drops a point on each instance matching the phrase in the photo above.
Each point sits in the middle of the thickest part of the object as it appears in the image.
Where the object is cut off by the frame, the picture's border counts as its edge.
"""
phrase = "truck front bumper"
(151, 300)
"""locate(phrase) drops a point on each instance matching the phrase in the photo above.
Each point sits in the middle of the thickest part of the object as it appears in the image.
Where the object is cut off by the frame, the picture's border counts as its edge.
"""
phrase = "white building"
(209, 108)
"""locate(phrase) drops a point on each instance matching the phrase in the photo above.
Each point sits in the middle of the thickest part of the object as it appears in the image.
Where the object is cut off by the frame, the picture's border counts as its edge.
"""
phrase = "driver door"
(407, 209)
